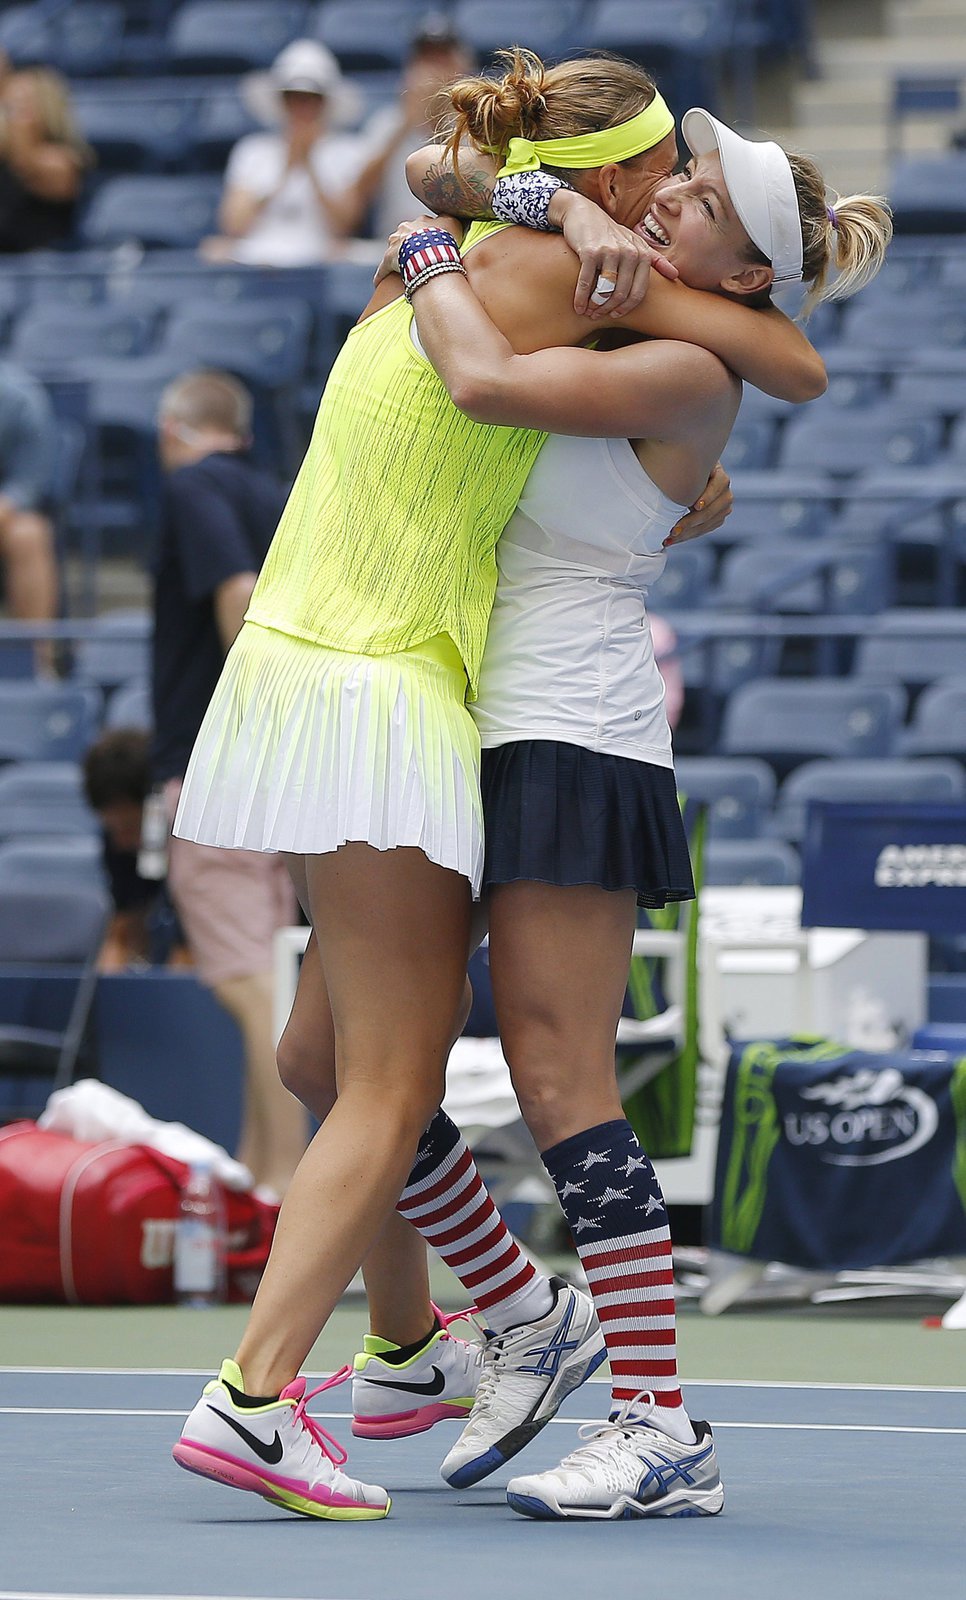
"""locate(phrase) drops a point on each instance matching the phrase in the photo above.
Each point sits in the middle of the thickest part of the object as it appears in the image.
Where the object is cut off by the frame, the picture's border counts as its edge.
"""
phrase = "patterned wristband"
(427, 248)
(525, 197)
(411, 284)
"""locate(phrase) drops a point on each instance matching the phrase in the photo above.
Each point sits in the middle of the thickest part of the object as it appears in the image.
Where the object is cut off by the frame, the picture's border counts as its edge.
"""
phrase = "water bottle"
(199, 1240)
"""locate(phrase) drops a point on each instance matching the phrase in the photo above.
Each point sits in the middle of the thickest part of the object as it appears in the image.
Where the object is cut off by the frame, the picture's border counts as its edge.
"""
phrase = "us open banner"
(885, 866)
(836, 1159)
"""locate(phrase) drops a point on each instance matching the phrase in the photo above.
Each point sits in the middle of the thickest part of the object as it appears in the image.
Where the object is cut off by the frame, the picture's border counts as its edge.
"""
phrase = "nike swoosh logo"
(434, 1385)
(271, 1454)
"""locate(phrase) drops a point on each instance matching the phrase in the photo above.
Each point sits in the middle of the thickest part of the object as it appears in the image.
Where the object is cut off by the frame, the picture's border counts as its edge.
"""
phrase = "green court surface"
(830, 1344)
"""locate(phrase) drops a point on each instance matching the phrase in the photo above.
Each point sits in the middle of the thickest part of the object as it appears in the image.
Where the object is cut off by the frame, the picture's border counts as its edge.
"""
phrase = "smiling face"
(626, 189)
(692, 222)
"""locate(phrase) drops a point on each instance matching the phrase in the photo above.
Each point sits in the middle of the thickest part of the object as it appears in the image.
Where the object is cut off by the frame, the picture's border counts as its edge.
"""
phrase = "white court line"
(689, 1383)
(563, 1422)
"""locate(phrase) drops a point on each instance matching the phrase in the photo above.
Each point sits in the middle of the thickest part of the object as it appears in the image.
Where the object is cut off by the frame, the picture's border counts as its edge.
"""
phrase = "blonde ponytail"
(847, 236)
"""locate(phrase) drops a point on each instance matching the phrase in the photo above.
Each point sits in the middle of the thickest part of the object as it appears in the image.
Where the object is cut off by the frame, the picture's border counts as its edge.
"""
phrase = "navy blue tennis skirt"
(557, 813)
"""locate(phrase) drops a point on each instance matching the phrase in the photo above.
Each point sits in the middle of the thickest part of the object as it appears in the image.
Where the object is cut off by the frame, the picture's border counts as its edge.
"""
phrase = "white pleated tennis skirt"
(304, 749)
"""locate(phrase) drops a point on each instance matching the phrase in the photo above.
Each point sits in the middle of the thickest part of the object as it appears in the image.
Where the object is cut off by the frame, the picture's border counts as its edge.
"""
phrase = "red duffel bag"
(93, 1224)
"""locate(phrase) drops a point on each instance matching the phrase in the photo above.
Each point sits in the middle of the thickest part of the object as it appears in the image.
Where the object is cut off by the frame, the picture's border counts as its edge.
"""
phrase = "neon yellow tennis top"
(388, 538)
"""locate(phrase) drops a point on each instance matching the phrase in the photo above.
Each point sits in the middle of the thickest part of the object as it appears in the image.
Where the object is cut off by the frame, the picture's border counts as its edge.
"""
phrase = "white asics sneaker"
(626, 1469)
(526, 1374)
(274, 1450)
(391, 1399)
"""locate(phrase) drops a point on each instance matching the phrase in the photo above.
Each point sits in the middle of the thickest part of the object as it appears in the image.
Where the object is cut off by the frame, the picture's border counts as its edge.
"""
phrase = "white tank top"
(569, 655)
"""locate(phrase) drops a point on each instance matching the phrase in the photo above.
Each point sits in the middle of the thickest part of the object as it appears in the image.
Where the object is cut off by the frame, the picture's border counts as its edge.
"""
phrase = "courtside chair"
(46, 721)
(44, 798)
(131, 706)
(59, 929)
(547, 26)
(169, 211)
(751, 863)
(214, 36)
(738, 792)
(786, 721)
(924, 781)
(368, 35)
(938, 725)
(58, 862)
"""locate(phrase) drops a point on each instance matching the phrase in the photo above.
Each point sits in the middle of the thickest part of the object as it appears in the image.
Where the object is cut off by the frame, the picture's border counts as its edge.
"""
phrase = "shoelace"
(601, 1436)
(348, 1371)
(330, 1447)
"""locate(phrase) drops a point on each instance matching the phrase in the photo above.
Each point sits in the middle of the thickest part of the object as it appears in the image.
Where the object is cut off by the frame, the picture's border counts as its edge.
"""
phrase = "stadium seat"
(750, 862)
(775, 516)
(221, 121)
(546, 26)
(126, 140)
(46, 722)
(685, 581)
(168, 211)
(232, 35)
(264, 341)
(42, 798)
(789, 720)
(130, 706)
(806, 576)
(913, 647)
(366, 35)
(907, 321)
(936, 382)
(845, 440)
(890, 779)
(938, 725)
(49, 338)
(738, 793)
(40, 926)
(751, 444)
(681, 41)
(119, 653)
(57, 862)
(83, 37)
(928, 194)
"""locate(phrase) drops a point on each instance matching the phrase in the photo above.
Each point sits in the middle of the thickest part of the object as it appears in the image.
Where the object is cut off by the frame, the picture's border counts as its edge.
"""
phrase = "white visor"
(759, 180)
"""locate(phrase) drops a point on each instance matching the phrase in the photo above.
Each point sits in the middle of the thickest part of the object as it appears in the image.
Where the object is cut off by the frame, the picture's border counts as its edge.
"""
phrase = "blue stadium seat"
(809, 576)
(265, 341)
(46, 722)
(685, 581)
(844, 440)
(952, 272)
(130, 706)
(957, 443)
(366, 35)
(775, 516)
(681, 41)
(752, 444)
(737, 792)
(232, 35)
(720, 665)
(913, 647)
(126, 140)
(935, 382)
(221, 121)
(789, 720)
(166, 210)
(889, 779)
(120, 652)
(546, 26)
(56, 862)
(928, 194)
(44, 798)
(83, 37)
(750, 862)
(50, 339)
(938, 725)
(907, 321)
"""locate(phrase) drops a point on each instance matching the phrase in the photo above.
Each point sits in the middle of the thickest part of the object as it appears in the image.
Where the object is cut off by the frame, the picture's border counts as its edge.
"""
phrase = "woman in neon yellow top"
(339, 735)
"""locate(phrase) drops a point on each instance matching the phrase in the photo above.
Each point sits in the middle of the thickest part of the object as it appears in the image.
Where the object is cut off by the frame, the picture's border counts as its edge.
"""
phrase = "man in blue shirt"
(218, 516)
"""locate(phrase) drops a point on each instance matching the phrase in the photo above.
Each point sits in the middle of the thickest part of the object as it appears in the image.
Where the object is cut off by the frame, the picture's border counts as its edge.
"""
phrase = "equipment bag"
(93, 1224)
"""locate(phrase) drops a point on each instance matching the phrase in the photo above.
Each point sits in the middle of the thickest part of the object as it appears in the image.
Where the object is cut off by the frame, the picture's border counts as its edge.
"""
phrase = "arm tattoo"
(468, 195)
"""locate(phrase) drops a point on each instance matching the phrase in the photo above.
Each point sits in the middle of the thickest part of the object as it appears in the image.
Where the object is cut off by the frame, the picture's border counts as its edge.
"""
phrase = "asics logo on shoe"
(271, 1454)
(434, 1385)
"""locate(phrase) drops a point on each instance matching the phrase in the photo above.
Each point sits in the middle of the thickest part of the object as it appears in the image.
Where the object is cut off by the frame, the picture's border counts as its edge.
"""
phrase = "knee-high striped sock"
(446, 1200)
(615, 1209)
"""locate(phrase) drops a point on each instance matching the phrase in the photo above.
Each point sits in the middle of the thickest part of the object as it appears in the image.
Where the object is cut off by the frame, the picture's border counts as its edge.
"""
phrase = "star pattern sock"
(615, 1209)
(446, 1200)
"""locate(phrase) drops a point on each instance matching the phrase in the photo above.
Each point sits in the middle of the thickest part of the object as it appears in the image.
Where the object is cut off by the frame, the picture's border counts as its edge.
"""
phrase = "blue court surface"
(834, 1492)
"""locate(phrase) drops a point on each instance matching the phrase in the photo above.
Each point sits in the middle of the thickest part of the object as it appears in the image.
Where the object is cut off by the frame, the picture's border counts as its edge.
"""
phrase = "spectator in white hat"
(284, 202)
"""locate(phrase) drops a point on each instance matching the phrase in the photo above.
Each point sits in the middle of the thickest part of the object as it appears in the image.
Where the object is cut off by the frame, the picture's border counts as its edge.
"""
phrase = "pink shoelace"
(444, 1318)
(329, 1446)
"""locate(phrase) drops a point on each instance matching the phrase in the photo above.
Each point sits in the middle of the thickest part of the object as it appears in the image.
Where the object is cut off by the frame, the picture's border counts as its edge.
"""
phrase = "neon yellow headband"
(631, 138)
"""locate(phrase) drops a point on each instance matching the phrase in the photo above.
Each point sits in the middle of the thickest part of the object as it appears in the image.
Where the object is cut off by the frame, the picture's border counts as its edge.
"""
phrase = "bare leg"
(27, 547)
(274, 1130)
(393, 933)
(559, 960)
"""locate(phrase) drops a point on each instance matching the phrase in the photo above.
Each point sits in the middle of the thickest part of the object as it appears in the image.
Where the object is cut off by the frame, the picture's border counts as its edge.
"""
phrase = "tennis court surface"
(841, 1489)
